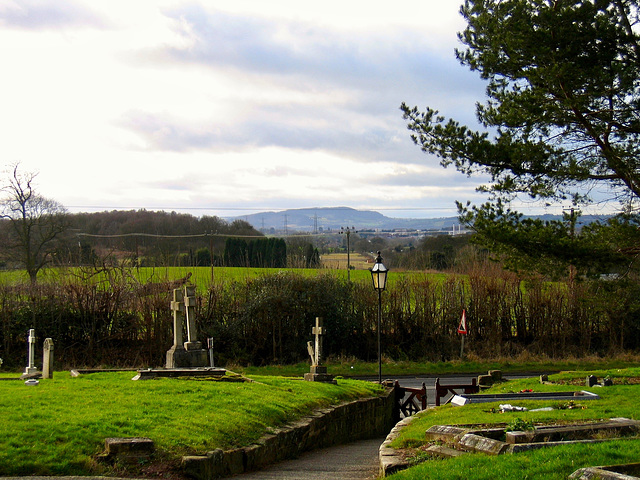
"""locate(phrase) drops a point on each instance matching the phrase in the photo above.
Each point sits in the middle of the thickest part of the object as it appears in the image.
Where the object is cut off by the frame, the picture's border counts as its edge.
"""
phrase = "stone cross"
(31, 357)
(47, 358)
(192, 342)
(318, 331)
(177, 307)
(318, 372)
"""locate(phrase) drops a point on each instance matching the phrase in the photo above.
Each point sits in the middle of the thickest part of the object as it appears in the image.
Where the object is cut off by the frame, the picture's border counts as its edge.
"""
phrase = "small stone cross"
(318, 331)
(31, 355)
(192, 342)
(177, 307)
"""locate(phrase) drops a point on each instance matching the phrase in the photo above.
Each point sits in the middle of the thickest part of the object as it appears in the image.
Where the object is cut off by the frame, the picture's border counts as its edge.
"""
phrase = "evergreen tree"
(562, 118)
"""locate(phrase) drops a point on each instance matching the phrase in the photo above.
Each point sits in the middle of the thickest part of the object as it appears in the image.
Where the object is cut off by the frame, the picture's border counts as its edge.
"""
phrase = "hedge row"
(268, 319)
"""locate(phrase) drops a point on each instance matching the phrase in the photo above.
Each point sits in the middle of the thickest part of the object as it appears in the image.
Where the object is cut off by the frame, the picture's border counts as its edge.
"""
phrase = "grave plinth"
(200, 372)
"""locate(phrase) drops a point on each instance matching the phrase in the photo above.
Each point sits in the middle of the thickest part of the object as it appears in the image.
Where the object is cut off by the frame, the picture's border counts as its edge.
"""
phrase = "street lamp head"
(379, 274)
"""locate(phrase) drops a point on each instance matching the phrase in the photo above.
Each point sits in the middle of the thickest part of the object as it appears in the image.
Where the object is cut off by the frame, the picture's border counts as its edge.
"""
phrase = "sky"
(234, 107)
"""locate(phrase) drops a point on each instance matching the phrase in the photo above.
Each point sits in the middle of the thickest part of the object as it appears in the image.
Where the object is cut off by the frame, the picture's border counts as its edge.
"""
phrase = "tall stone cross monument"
(318, 372)
(190, 353)
(31, 354)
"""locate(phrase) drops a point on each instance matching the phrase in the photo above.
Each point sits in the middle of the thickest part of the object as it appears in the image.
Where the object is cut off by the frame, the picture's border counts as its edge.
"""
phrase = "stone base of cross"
(318, 372)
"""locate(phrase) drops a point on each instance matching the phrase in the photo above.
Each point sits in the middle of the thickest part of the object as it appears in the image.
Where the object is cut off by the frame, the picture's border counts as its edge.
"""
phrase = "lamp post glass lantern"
(379, 277)
(379, 274)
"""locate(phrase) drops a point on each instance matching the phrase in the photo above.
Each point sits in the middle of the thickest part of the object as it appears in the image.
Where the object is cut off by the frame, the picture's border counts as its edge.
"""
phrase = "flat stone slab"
(443, 433)
(443, 451)
(464, 399)
(180, 372)
(477, 443)
(615, 472)
(131, 449)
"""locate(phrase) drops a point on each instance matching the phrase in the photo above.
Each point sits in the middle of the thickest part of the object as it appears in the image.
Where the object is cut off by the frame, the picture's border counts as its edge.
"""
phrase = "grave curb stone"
(485, 380)
(600, 473)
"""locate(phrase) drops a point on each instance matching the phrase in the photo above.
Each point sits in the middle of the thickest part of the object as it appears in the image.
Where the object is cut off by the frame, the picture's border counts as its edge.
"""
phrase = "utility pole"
(572, 234)
(211, 254)
(348, 231)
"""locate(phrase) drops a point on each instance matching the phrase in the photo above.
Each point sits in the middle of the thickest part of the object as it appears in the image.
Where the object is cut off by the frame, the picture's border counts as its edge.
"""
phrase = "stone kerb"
(391, 461)
(357, 420)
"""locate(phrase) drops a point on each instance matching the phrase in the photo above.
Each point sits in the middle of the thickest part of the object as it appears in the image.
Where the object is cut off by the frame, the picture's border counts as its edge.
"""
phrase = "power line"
(155, 235)
(250, 208)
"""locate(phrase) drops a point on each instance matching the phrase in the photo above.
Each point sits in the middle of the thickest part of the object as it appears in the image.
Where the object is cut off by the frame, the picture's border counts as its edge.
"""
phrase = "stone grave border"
(465, 399)
(609, 472)
(459, 440)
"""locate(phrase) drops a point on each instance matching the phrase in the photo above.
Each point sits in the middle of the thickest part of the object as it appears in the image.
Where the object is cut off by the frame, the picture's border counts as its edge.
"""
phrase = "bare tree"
(33, 224)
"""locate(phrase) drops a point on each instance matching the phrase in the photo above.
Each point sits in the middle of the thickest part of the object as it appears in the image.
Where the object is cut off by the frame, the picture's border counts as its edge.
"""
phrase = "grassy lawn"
(58, 426)
(619, 400)
(393, 369)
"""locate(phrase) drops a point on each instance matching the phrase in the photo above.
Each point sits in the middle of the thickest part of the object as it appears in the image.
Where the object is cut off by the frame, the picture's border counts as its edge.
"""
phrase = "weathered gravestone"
(318, 372)
(189, 353)
(47, 358)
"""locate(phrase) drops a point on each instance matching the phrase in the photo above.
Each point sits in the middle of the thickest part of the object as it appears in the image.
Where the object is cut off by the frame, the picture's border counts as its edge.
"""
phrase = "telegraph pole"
(348, 231)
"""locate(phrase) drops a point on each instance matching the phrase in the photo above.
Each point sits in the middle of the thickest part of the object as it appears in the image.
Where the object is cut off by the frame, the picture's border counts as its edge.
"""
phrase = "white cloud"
(175, 104)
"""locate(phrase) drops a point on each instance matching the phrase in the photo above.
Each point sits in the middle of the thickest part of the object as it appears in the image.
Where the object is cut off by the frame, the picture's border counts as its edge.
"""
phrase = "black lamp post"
(379, 277)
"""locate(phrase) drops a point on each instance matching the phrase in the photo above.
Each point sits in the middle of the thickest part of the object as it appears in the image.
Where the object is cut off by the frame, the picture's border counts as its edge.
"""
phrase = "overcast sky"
(231, 107)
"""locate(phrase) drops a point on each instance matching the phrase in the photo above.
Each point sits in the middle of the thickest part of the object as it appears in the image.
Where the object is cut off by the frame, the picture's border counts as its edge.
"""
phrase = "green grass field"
(202, 277)
(392, 369)
(620, 400)
(59, 426)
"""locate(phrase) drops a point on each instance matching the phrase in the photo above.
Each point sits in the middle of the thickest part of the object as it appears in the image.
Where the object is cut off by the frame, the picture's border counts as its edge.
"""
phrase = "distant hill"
(333, 218)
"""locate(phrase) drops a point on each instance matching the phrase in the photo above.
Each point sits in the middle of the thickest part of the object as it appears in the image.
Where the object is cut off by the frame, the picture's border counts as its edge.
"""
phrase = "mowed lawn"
(59, 426)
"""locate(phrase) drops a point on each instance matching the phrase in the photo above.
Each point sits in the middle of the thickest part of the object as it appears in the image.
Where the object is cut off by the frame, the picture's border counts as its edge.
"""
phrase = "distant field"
(202, 277)
(339, 261)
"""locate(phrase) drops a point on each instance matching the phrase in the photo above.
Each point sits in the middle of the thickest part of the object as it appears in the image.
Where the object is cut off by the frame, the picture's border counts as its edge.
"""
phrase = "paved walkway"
(353, 461)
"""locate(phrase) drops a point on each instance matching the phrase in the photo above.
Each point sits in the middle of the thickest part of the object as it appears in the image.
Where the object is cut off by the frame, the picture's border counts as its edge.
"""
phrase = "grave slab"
(614, 472)
(573, 432)
(465, 399)
(180, 372)
(443, 451)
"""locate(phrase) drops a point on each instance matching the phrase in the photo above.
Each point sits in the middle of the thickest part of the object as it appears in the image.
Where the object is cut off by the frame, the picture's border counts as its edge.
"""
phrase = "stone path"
(353, 461)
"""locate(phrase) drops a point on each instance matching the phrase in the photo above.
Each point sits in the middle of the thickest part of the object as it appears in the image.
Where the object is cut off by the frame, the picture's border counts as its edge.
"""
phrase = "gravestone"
(47, 359)
(190, 353)
(318, 372)
(31, 355)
